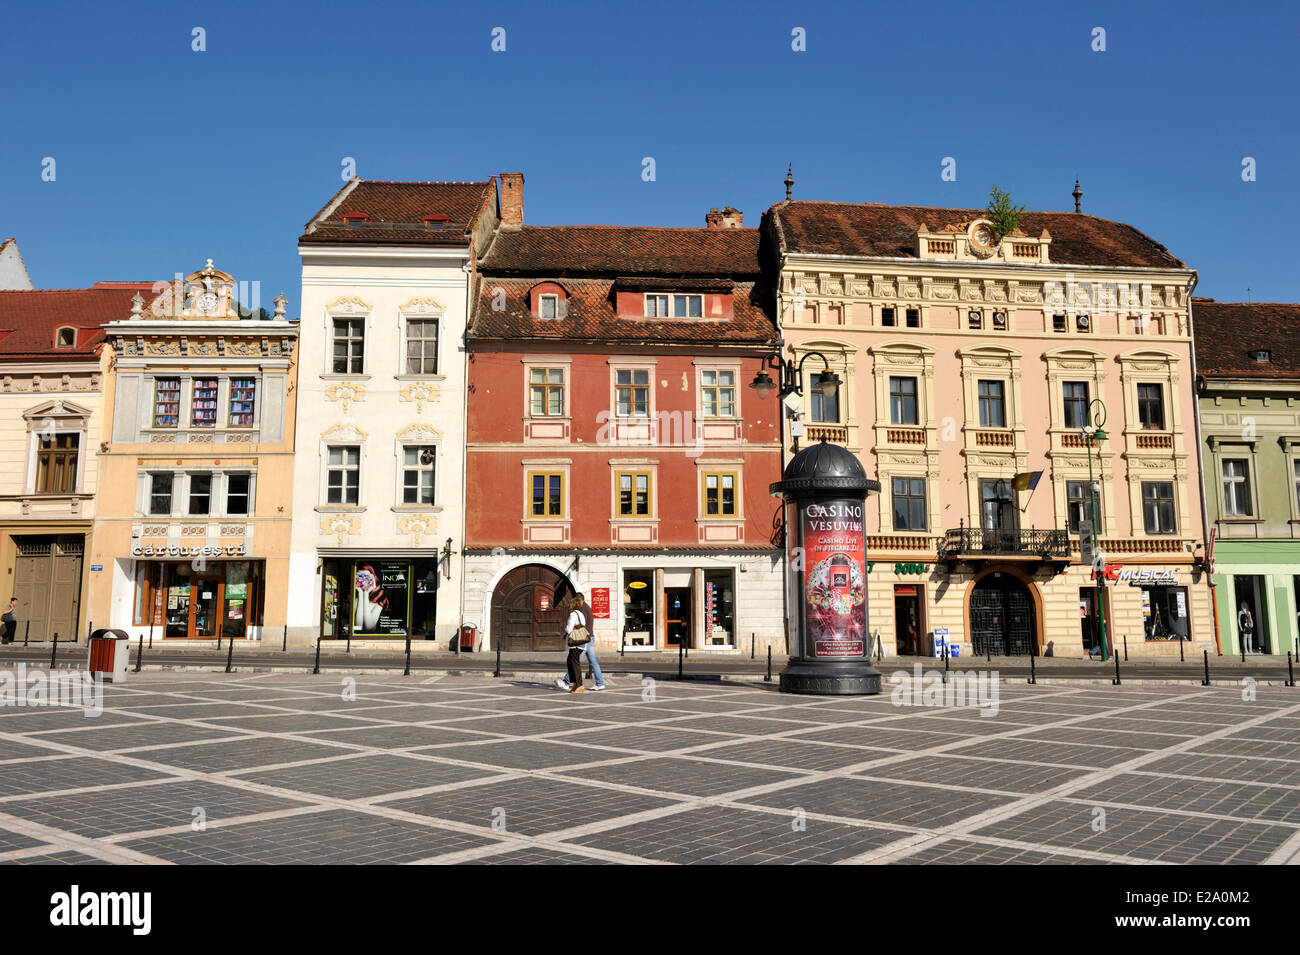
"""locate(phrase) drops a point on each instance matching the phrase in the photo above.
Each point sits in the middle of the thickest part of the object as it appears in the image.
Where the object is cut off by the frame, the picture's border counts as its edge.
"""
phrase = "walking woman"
(577, 633)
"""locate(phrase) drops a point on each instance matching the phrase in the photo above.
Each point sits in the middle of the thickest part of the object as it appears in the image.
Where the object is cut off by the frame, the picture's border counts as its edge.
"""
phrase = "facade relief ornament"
(162, 437)
(348, 303)
(419, 433)
(345, 392)
(1029, 296)
(943, 291)
(419, 392)
(421, 306)
(415, 525)
(340, 526)
(343, 431)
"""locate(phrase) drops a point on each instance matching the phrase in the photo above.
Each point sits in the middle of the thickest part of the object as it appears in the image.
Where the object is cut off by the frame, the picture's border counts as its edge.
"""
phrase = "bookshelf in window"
(204, 411)
(243, 395)
(167, 403)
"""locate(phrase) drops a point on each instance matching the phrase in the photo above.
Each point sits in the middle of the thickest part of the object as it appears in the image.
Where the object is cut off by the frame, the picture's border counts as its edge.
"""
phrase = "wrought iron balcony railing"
(978, 542)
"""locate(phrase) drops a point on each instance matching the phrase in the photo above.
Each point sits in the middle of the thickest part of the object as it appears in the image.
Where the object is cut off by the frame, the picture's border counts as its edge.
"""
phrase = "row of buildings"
(473, 417)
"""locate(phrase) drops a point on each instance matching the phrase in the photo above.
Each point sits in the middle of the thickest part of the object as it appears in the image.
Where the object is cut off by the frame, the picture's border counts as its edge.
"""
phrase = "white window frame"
(670, 300)
(326, 447)
(405, 337)
(399, 499)
(364, 318)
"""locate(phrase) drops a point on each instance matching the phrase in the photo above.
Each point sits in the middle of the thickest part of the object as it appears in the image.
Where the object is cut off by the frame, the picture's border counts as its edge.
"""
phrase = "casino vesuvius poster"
(835, 577)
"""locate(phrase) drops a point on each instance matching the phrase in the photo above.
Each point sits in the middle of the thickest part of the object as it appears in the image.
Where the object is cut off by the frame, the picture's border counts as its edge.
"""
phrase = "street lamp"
(1093, 434)
(790, 377)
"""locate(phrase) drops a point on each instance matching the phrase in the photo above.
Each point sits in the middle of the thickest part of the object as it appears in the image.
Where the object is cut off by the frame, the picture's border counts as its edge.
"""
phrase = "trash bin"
(467, 637)
(109, 653)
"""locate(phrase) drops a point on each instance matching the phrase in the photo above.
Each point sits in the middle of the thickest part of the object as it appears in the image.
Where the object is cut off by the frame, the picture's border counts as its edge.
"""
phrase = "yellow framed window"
(545, 392)
(634, 494)
(546, 494)
(720, 498)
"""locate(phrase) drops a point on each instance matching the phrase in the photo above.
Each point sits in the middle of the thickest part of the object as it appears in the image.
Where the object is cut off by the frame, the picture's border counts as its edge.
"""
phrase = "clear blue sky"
(167, 156)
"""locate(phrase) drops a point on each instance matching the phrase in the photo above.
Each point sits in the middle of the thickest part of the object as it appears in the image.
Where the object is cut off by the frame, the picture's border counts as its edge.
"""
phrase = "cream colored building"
(969, 358)
(194, 506)
(378, 522)
(53, 368)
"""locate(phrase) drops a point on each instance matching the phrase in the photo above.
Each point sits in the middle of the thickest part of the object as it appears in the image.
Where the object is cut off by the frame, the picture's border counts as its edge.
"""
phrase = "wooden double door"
(528, 609)
(47, 583)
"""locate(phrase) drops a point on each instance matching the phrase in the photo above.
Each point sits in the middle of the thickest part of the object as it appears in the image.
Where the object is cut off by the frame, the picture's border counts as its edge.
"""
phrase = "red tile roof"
(624, 250)
(588, 261)
(397, 213)
(29, 319)
(873, 230)
(1226, 333)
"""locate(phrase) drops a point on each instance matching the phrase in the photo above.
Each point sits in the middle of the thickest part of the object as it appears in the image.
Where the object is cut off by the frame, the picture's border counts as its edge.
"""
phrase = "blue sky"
(165, 156)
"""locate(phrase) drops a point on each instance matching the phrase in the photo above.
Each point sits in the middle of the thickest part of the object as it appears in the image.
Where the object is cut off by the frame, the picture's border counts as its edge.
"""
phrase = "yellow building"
(53, 365)
(196, 469)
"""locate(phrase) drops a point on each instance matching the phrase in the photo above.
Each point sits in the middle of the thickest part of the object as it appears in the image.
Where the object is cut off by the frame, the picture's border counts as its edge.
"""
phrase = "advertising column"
(835, 588)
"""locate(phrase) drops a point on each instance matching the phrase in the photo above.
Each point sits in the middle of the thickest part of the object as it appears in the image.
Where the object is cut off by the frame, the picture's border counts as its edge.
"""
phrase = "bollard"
(230, 652)
(1115, 682)
(497, 671)
(1290, 673)
(989, 649)
(218, 639)
(139, 654)
(316, 669)
(622, 644)
(348, 649)
(753, 641)
(284, 641)
(27, 632)
(1126, 647)
(1033, 675)
(1241, 641)
(1206, 681)
(946, 655)
(680, 644)
(1181, 658)
(407, 671)
(768, 678)
(89, 630)
(54, 649)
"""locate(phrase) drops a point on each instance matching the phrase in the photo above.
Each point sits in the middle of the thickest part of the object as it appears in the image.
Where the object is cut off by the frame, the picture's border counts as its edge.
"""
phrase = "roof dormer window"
(65, 337)
(436, 221)
(674, 306)
(1261, 355)
(355, 220)
(548, 306)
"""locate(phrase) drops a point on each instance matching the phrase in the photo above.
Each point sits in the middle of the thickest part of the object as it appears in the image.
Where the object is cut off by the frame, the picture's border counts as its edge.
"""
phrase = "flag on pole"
(1027, 480)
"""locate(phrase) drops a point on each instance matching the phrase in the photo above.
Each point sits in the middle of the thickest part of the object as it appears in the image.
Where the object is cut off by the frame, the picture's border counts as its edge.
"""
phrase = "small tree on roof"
(1004, 214)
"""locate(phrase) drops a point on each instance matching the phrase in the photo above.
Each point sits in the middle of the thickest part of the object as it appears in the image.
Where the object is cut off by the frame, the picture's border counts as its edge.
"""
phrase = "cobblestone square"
(286, 768)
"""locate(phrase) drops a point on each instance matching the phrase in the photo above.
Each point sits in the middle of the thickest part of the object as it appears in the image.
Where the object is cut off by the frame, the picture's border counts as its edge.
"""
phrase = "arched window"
(65, 337)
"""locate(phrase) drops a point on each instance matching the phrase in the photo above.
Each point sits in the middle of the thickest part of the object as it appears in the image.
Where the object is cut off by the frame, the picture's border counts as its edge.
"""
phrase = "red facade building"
(613, 447)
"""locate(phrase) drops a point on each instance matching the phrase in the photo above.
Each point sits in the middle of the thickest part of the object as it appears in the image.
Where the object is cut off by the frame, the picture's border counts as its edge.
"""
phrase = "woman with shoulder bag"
(578, 635)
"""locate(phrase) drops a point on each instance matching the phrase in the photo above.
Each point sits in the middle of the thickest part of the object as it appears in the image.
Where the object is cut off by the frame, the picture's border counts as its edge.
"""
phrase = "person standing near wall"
(10, 621)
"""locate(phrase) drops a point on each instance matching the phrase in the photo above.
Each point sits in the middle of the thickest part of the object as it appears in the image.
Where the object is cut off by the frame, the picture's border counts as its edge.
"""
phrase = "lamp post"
(1093, 434)
(790, 375)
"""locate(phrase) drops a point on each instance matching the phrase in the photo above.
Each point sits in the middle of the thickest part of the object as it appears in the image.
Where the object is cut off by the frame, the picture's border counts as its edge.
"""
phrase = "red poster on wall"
(600, 602)
(834, 577)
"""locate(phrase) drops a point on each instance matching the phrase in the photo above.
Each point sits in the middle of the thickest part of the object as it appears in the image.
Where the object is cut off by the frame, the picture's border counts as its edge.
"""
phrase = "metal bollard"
(622, 645)
(1126, 647)
(348, 649)
(753, 642)
(230, 653)
(54, 649)
(680, 644)
(90, 628)
(407, 671)
(1115, 682)
(1033, 675)
(218, 640)
(768, 678)
(284, 641)
(316, 669)
(1206, 681)
(989, 649)
(1181, 657)
(497, 671)
(1290, 673)
(1241, 642)
(27, 631)
(946, 655)
(139, 654)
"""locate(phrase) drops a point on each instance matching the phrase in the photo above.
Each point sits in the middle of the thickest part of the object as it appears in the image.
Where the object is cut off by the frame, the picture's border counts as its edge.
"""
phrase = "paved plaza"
(286, 768)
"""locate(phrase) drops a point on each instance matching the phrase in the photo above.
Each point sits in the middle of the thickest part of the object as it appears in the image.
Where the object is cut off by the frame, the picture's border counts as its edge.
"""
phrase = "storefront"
(379, 598)
(669, 606)
(1258, 590)
(200, 599)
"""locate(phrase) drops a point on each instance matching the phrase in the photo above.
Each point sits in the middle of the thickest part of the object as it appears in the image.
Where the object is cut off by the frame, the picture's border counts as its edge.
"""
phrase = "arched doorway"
(1002, 619)
(527, 609)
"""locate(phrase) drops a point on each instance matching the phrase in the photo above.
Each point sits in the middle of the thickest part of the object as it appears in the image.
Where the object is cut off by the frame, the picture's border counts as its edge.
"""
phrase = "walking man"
(10, 620)
(588, 651)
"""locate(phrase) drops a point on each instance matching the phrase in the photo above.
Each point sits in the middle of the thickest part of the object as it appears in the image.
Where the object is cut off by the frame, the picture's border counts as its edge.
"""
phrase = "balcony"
(835, 433)
(975, 543)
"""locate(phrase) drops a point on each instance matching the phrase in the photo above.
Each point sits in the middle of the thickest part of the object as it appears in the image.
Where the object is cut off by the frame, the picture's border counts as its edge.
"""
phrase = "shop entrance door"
(1001, 616)
(206, 601)
(1252, 627)
(677, 616)
(1088, 616)
(907, 621)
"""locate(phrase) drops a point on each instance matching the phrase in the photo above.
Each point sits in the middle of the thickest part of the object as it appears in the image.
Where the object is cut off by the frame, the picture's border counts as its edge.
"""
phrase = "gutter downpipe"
(1200, 466)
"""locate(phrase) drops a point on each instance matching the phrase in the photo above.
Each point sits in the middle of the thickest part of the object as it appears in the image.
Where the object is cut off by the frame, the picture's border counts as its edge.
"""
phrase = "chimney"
(512, 198)
(728, 218)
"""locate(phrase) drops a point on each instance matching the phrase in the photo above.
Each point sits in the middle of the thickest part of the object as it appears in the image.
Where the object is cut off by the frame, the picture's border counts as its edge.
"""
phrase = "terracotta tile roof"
(590, 316)
(396, 213)
(624, 250)
(1226, 333)
(588, 261)
(874, 230)
(29, 319)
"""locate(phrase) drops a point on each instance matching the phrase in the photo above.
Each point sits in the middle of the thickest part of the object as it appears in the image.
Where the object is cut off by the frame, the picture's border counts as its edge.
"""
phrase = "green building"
(1248, 387)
